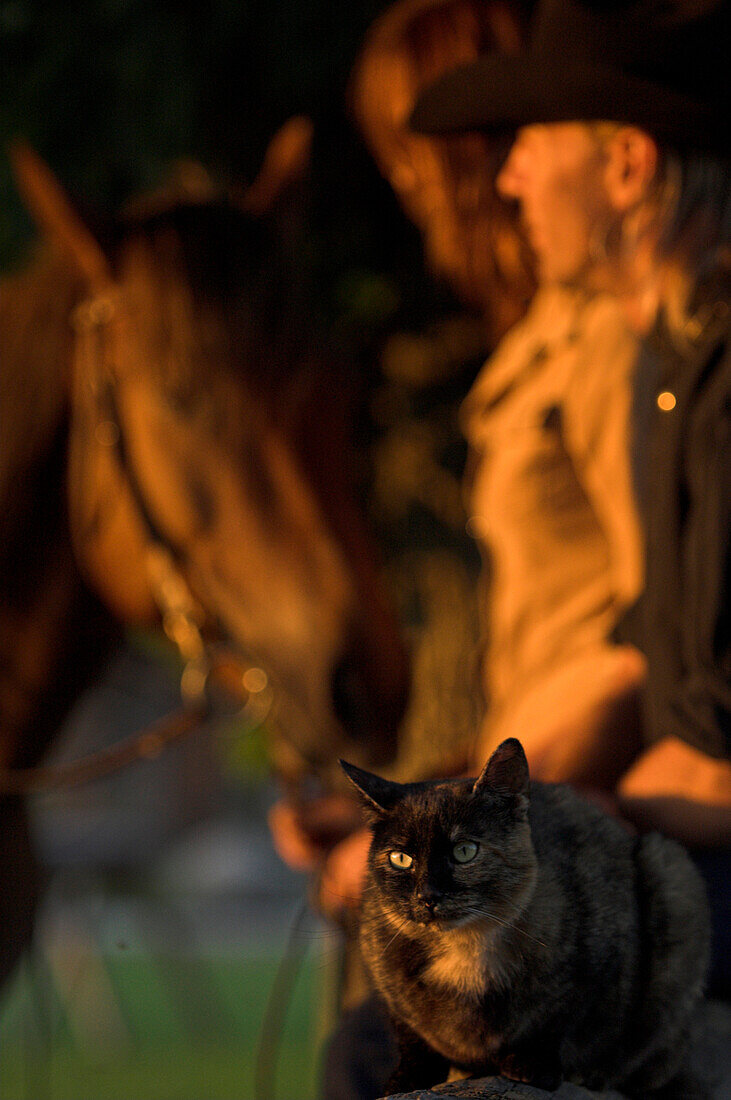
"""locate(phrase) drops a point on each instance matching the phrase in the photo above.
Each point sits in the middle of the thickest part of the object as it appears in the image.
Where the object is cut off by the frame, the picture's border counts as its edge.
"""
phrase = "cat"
(512, 927)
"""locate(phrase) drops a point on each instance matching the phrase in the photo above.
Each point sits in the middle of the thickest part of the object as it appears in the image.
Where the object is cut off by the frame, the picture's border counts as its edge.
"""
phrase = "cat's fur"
(567, 948)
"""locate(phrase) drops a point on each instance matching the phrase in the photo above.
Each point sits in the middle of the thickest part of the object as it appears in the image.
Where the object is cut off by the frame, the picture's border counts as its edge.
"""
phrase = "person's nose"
(511, 177)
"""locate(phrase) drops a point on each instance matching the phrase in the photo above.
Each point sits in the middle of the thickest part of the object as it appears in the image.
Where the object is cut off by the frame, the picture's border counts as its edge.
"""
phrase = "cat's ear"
(376, 794)
(506, 772)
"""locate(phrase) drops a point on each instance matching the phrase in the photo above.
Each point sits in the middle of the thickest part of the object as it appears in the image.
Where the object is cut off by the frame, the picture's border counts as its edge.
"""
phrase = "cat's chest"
(452, 999)
(468, 965)
(457, 971)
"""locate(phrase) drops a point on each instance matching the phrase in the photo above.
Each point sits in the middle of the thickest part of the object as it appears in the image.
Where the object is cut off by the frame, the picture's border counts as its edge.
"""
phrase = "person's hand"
(681, 792)
(580, 722)
(305, 831)
(343, 875)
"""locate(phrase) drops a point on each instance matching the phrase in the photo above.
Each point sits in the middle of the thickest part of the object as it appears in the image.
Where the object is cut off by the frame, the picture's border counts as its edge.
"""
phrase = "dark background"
(110, 92)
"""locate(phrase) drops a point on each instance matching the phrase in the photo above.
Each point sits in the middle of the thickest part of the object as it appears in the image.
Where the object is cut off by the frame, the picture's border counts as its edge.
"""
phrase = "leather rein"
(210, 668)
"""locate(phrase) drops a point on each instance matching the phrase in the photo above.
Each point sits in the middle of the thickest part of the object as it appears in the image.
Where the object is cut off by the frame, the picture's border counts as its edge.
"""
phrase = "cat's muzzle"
(428, 907)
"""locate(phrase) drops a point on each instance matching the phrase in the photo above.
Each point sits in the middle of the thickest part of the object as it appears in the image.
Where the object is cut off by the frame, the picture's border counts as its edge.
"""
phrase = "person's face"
(556, 172)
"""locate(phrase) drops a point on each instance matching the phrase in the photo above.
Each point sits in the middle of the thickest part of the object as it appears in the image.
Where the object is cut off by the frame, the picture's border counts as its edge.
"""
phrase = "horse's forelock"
(200, 285)
(217, 302)
(225, 273)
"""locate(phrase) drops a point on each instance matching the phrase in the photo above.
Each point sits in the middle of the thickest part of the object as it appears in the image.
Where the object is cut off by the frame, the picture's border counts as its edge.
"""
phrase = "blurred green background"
(148, 1047)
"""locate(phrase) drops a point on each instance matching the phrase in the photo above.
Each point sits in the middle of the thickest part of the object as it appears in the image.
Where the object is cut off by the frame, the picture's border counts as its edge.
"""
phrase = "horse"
(175, 449)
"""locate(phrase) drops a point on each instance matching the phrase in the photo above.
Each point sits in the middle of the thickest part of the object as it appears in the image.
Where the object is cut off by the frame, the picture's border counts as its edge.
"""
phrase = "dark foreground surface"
(498, 1088)
(711, 1060)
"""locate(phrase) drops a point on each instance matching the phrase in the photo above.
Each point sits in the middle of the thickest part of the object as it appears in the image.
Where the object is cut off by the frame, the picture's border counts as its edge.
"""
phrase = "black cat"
(515, 928)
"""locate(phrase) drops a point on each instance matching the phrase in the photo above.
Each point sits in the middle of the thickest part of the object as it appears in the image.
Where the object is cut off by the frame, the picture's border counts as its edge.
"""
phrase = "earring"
(629, 234)
(598, 246)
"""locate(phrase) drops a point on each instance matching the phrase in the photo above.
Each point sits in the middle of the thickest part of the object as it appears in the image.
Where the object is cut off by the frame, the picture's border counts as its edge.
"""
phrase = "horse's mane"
(218, 298)
(229, 266)
(35, 343)
(213, 290)
(230, 324)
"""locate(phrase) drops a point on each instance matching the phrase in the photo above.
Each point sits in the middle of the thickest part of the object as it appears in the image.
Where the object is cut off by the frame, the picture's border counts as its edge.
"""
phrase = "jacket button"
(666, 401)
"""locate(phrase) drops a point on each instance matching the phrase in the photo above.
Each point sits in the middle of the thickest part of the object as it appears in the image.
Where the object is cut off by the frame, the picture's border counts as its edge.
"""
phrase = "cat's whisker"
(322, 934)
(482, 912)
(365, 889)
(325, 960)
(328, 890)
(397, 933)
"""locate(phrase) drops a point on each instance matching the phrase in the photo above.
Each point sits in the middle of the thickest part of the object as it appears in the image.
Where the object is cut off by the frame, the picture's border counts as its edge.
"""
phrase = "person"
(621, 170)
(473, 249)
(561, 539)
(471, 240)
(551, 498)
(470, 236)
(547, 421)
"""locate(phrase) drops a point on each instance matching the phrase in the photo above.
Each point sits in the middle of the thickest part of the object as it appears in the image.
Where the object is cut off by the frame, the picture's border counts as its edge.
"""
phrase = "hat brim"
(501, 91)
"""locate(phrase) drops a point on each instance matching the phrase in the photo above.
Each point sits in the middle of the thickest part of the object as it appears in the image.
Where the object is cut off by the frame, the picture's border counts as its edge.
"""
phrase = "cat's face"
(454, 853)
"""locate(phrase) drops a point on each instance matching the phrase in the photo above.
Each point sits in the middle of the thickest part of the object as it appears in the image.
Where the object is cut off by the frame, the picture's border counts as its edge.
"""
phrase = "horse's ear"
(54, 213)
(285, 163)
(506, 772)
(377, 795)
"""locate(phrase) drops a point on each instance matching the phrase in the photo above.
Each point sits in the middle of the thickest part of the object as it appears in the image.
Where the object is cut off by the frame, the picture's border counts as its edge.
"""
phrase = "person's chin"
(573, 279)
(552, 274)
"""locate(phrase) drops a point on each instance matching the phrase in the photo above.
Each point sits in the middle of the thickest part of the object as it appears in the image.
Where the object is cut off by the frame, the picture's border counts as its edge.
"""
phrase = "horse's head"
(202, 421)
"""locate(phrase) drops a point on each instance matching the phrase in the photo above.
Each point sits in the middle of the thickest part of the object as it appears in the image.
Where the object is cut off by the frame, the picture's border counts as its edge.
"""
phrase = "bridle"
(212, 669)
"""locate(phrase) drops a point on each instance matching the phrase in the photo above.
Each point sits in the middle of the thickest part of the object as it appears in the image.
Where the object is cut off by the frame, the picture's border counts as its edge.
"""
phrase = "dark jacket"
(681, 622)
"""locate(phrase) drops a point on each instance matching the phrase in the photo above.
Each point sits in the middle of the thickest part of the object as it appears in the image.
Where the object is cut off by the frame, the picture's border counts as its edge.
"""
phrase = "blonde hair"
(411, 44)
(695, 240)
(688, 210)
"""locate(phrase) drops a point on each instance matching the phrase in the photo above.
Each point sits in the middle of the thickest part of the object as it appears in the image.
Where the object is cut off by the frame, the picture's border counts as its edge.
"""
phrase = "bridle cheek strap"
(184, 619)
(96, 419)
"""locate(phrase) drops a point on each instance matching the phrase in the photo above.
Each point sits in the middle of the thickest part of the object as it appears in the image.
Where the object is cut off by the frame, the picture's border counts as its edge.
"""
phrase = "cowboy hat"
(662, 66)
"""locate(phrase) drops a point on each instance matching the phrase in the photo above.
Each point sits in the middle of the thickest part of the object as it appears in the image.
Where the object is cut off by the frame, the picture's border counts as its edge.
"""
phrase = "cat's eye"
(400, 860)
(465, 851)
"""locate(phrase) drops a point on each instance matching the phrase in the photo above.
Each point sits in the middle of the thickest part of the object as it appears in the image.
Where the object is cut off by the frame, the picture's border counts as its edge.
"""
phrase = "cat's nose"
(428, 901)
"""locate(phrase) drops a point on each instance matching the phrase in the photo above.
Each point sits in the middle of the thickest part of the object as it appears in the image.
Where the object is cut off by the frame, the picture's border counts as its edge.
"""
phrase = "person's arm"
(580, 722)
(598, 404)
(697, 707)
(324, 837)
(682, 783)
(306, 831)
(679, 791)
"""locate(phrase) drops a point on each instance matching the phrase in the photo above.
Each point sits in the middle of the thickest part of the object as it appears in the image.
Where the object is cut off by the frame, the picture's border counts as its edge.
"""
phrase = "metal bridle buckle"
(234, 692)
(211, 672)
(95, 312)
